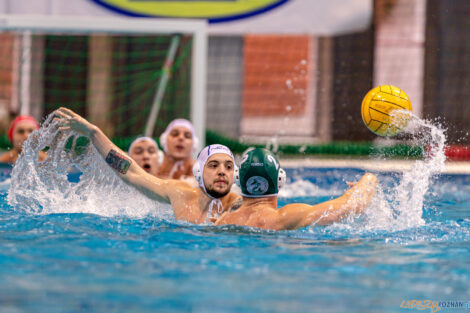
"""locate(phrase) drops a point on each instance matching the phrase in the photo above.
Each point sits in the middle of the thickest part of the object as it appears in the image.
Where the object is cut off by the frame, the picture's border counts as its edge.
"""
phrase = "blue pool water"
(90, 243)
(86, 262)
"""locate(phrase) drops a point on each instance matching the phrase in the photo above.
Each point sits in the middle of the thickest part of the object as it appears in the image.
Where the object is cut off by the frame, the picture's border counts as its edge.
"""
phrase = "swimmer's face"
(21, 132)
(218, 175)
(145, 154)
(180, 143)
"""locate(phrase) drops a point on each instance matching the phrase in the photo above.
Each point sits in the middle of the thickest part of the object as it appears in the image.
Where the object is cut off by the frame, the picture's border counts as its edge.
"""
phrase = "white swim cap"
(143, 138)
(139, 139)
(202, 158)
(180, 122)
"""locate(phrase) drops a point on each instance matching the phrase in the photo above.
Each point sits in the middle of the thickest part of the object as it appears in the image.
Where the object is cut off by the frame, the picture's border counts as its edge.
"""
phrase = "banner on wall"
(317, 17)
(215, 11)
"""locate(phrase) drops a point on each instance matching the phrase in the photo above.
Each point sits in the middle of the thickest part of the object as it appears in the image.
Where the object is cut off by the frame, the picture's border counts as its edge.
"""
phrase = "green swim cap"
(260, 174)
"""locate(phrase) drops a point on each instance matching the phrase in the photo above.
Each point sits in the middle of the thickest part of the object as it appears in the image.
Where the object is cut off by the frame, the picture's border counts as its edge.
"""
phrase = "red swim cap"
(18, 119)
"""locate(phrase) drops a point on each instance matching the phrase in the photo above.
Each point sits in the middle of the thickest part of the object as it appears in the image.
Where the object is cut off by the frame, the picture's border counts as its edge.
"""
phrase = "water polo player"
(260, 177)
(214, 172)
(145, 152)
(21, 127)
(178, 142)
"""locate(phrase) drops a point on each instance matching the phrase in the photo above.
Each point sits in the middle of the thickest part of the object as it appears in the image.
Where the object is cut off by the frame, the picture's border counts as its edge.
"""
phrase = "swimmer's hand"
(69, 120)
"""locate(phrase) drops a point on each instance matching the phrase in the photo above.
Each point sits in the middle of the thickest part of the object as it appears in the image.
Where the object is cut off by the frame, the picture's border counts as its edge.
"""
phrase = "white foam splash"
(401, 206)
(5, 185)
(43, 187)
(305, 188)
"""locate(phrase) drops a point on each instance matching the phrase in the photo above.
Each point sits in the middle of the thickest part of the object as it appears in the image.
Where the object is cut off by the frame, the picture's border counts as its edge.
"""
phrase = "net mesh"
(292, 91)
(111, 79)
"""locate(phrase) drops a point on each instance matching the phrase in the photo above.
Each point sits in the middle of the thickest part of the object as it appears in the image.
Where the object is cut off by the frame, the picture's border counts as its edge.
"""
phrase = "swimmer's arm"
(123, 165)
(293, 216)
(128, 169)
(354, 200)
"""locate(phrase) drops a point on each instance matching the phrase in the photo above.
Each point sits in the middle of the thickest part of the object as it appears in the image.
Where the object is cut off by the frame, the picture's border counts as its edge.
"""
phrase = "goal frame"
(81, 24)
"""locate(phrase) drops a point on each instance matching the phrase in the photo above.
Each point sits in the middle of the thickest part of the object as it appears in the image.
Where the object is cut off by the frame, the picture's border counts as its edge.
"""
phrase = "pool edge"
(452, 167)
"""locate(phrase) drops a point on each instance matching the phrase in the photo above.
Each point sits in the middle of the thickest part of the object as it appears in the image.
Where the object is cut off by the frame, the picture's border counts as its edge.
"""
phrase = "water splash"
(304, 188)
(44, 187)
(401, 206)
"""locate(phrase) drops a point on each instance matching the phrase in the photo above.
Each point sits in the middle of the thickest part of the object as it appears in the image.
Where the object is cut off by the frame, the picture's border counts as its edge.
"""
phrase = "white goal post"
(55, 24)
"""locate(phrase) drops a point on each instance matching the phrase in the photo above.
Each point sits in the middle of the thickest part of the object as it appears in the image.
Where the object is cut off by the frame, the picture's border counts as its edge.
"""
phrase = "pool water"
(75, 238)
(85, 262)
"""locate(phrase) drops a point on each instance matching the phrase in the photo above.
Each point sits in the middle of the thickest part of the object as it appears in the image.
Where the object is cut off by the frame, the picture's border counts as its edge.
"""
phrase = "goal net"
(301, 91)
(128, 76)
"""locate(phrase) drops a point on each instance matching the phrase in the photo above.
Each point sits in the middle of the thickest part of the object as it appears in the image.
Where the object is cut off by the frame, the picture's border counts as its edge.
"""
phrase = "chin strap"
(215, 208)
(179, 165)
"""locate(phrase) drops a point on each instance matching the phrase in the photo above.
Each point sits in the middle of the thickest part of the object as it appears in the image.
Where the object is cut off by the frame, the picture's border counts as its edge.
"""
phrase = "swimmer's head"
(260, 174)
(21, 127)
(179, 139)
(214, 170)
(144, 150)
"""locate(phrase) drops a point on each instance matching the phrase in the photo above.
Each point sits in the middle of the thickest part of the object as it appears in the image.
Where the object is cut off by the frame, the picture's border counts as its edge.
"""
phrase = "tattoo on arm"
(119, 162)
(237, 204)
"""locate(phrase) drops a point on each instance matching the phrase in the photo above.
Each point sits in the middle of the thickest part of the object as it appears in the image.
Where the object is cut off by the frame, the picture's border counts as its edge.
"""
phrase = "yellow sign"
(213, 10)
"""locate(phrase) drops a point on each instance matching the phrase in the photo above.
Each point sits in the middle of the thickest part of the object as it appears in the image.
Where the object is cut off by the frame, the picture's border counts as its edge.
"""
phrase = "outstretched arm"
(354, 200)
(124, 166)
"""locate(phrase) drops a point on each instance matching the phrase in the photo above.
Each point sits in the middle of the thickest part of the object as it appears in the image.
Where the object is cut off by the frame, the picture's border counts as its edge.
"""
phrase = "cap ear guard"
(163, 141)
(281, 179)
(195, 144)
(198, 173)
(161, 156)
(236, 175)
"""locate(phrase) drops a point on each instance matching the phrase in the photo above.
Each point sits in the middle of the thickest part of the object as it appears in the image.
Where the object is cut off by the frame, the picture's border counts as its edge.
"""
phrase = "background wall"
(273, 85)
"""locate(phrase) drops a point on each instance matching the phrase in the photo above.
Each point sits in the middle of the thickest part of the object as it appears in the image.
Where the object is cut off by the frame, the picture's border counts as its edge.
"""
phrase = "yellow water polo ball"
(377, 107)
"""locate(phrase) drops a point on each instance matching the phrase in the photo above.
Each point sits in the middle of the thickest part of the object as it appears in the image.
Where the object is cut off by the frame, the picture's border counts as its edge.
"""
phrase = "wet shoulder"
(294, 206)
(236, 202)
(178, 189)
